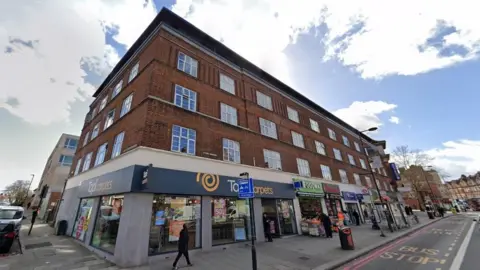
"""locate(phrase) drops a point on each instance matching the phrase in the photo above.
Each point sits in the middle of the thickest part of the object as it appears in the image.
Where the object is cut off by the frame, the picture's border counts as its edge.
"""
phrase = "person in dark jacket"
(357, 217)
(327, 225)
(266, 228)
(182, 247)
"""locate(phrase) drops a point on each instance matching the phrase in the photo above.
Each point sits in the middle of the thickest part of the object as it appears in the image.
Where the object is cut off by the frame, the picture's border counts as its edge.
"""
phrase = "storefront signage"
(349, 196)
(161, 180)
(307, 187)
(331, 188)
(116, 182)
(359, 196)
(395, 171)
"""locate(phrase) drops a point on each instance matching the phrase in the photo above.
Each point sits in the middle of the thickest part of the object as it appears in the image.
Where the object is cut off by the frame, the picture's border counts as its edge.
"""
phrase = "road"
(440, 246)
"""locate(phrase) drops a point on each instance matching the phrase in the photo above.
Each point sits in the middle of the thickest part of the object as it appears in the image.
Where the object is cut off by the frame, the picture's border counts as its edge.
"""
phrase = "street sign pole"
(246, 191)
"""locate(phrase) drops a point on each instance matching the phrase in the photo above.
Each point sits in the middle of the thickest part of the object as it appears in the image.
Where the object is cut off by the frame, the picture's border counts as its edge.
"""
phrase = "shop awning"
(310, 194)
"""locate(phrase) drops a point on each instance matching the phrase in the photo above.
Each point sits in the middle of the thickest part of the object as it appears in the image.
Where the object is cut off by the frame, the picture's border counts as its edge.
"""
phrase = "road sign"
(245, 188)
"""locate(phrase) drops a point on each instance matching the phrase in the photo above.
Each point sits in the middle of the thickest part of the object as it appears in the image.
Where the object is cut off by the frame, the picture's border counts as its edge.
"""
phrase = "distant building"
(465, 189)
(55, 174)
(423, 186)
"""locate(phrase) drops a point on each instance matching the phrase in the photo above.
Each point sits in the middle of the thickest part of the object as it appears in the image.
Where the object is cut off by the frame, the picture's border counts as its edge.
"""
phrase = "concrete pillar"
(206, 222)
(298, 214)
(131, 248)
(68, 208)
(258, 210)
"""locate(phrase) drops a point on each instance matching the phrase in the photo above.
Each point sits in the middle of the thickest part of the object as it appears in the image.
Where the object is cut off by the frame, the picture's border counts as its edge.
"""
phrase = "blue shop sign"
(349, 196)
(359, 197)
(395, 172)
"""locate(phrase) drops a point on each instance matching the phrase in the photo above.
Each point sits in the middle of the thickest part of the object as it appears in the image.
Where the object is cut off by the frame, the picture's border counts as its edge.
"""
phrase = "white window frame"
(346, 141)
(182, 95)
(357, 179)
(357, 146)
(228, 114)
(326, 172)
(126, 105)
(109, 120)
(293, 115)
(95, 130)
(77, 167)
(351, 159)
(67, 143)
(232, 150)
(62, 160)
(314, 125)
(190, 133)
(227, 84)
(101, 153)
(117, 145)
(264, 101)
(103, 103)
(94, 112)
(133, 72)
(297, 139)
(303, 167)
(86, 163)
(320, 148)
(363, 164)
(188, 65)
(331, 134)
(368, 181)
(268, 128)
(117, 89)
(272, 159)
(337, 154)
(343, 176)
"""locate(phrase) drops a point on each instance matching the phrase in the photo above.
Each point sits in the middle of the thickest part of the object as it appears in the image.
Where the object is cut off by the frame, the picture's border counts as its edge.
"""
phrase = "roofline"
(170, 18)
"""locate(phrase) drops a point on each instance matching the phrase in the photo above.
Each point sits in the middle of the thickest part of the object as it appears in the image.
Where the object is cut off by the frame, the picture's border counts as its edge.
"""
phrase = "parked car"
(11, 215)
(7, 236)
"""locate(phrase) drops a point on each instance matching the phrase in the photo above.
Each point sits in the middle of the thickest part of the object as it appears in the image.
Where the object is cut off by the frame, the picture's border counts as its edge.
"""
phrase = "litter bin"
(430, 215)
(62, 227)
(346, 238)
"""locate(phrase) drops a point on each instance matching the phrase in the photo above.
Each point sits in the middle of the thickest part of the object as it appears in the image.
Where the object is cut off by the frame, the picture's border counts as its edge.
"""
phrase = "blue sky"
(365, 64)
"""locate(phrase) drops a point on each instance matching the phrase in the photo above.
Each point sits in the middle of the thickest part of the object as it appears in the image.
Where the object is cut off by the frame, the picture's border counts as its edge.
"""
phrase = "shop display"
(230, 220)
(83, 219)
(169, 213)
(107, 223)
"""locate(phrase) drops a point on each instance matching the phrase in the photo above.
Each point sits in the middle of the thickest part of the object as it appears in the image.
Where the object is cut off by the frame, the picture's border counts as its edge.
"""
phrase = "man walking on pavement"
(182, 247)
(357, 217)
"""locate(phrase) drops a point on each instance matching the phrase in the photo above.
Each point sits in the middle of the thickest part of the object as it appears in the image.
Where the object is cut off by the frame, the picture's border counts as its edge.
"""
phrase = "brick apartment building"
(172, 127)
(465, 190)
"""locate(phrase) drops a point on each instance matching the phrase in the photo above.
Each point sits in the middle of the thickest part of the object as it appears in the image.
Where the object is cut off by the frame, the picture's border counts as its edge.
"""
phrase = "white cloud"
(46, 75)
(394, 119)
(388, 44)
(364, 115)
(457, 157)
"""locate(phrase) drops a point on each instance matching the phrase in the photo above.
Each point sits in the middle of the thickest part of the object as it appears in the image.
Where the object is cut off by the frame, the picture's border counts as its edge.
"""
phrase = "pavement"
(44, 251)
(441, 245)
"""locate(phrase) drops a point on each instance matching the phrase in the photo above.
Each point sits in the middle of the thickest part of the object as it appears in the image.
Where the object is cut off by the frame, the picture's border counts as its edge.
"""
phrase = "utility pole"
(246, 175)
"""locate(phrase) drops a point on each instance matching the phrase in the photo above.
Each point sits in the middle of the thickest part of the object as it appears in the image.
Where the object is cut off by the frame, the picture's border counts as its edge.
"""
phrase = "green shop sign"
(308, 187)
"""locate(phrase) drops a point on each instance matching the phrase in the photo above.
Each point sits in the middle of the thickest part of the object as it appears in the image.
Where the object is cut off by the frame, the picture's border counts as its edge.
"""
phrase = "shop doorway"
(282, 214)
(351, 207)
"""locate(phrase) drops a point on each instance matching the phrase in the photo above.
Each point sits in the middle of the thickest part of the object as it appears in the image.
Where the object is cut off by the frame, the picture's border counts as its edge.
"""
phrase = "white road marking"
(450, 248)
(447, 254)
(457, 262)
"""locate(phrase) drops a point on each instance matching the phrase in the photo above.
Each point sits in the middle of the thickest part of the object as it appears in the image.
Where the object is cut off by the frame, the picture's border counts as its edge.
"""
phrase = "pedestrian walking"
(327, 225)
(182, 247)
(266, 228)
(357, 217)
(28, 205)
(407, 210)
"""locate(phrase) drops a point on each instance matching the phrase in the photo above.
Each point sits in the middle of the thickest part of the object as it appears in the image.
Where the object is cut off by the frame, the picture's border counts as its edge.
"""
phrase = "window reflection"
(107, 223)
(230, 220)
(169, 213)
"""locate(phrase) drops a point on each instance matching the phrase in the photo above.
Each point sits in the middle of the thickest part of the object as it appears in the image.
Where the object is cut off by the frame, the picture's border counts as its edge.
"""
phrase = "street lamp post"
(382, 234)
(246, 175)
(29, 186)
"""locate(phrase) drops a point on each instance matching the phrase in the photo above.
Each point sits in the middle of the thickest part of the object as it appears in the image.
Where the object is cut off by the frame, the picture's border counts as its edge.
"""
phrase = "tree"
(17, 191)
(406, 157)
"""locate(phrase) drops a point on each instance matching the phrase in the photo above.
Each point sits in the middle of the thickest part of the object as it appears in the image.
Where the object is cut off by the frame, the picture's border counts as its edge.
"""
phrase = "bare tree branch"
(17, 191)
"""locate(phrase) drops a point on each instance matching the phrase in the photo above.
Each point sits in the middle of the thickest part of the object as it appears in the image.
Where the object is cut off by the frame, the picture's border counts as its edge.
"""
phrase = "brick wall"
(150, 120)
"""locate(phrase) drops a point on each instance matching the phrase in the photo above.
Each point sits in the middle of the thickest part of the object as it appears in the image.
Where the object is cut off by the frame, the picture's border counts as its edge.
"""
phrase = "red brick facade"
(149, 122)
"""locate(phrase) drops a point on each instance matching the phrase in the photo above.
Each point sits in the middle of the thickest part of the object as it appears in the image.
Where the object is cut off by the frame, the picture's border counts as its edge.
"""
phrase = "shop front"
(109, 219)
(351, 205)
(311, 201)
